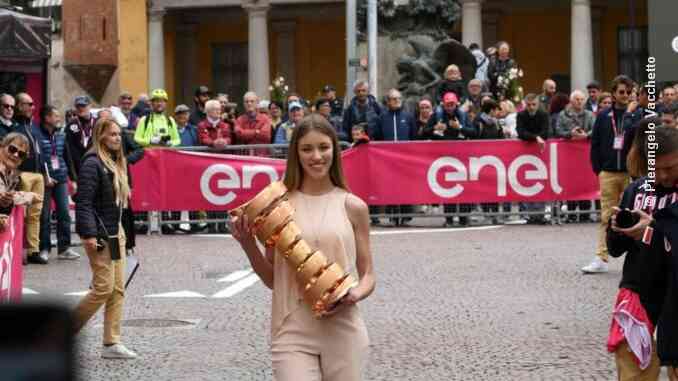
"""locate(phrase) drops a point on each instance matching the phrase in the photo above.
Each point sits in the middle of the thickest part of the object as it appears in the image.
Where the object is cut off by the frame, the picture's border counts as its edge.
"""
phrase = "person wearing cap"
(32, 177)
(213, 131)
(79, 131)
(157, 129)
(450, 123)
(296, 114)
(188, 133)
(593, 89)
(252, 127)
(323, 106)
(364, 108)
(336, 104)
(262, 107)
(202, 95)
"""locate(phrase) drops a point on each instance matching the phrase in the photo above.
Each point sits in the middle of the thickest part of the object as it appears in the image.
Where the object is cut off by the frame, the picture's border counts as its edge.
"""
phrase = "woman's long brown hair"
(115, 163)
(294, 174)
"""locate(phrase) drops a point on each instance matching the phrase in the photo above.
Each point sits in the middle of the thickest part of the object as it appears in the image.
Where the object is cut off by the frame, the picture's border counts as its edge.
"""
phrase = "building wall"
(321, 56)
(63, 88)
(320, 52)
(540, 40)
(133, 46)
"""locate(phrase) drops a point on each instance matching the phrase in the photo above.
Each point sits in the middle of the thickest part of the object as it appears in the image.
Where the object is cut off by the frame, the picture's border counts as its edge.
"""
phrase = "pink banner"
(11, 269)
(381, 174)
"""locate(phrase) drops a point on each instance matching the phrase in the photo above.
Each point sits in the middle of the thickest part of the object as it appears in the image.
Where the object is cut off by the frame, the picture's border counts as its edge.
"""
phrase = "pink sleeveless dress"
(340, 337)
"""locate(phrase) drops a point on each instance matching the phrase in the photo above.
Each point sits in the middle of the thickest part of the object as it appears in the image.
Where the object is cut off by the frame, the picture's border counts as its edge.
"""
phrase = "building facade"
(235, 45)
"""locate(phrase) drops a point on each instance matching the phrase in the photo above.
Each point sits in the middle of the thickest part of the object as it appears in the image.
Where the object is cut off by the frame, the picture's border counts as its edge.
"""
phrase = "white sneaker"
(117, 351)
(595, 267)
(68, 254)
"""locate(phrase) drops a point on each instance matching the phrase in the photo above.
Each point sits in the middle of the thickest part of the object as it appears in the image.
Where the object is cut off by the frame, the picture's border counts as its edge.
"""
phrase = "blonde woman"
(103, 191)
(337, 222)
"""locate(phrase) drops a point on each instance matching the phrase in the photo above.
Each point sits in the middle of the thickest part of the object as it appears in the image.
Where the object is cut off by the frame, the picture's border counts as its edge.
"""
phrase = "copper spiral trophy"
(270, 216)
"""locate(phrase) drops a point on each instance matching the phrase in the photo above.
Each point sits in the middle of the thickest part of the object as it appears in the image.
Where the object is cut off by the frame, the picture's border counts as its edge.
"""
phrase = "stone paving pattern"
(502, 304)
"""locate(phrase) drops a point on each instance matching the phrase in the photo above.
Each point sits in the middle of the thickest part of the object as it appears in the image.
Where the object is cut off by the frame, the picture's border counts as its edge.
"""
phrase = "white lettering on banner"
(232, 180)
(459, 175)
(538, 173)
(477, 164)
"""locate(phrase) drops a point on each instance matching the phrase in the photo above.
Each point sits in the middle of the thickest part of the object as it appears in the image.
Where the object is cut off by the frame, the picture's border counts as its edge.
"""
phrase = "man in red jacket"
(213, 131)
(252, 127)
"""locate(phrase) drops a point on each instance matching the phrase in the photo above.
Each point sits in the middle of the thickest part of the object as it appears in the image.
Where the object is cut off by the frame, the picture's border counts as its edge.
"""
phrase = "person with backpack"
(157, 129)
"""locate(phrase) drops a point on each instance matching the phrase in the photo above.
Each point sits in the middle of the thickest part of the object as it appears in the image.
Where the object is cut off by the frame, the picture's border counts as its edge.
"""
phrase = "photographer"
(642, 290)
(103, 193)
(157, 129)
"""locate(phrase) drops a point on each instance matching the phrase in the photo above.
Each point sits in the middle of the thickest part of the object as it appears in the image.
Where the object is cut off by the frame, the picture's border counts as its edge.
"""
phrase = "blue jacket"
(465, 130)
(603, 156)
(396, 125)
(353, 116)
(189, 136)
(54, 145)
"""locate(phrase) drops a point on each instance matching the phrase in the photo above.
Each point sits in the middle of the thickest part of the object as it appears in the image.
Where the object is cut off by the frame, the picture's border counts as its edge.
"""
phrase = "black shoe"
(166, 230)
(463, 221)
(38, 258)
(375, 221)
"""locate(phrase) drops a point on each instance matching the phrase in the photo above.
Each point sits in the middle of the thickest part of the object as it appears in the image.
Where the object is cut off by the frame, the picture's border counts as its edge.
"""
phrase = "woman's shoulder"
(353, 203)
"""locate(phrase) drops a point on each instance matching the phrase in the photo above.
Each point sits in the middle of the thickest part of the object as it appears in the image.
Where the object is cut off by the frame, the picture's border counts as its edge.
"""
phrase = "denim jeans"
(59, 193)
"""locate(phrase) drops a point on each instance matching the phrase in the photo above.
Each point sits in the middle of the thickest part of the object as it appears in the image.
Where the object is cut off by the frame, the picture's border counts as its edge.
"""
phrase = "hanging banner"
(379, 173)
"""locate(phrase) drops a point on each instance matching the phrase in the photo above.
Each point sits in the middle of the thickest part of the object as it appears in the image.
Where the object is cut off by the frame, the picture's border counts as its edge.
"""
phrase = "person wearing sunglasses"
(59, 168)
(6, 114)
(32, 177)
(610, 143)
(13, 151)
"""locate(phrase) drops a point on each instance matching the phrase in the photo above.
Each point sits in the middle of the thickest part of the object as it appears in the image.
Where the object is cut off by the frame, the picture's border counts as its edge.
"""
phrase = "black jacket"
(133, 152)
(446, 86)
(667, 330)
(337, 106)
(197, 116)
(645, 267)
(96, 196)
(79, 135)
(486, 127)
(6, 129)
(603, 156)
(529, 127)
(24, 126)
(440, 115)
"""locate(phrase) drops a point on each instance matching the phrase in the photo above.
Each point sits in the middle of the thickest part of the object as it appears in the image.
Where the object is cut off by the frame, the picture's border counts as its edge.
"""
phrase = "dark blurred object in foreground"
(36, 343)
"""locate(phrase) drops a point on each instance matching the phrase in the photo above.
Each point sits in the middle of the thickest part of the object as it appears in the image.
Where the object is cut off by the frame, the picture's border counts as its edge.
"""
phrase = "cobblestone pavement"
(505, 303)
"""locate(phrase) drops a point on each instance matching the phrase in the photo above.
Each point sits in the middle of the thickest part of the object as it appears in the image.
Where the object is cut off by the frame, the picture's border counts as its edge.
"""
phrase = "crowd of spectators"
(459, 109)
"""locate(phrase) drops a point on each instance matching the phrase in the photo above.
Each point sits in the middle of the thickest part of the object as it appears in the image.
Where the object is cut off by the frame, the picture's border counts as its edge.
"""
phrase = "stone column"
(285, 52)
(581, 36)
(156, 49)
(471, 22)
(258, 65)
(186, 63)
